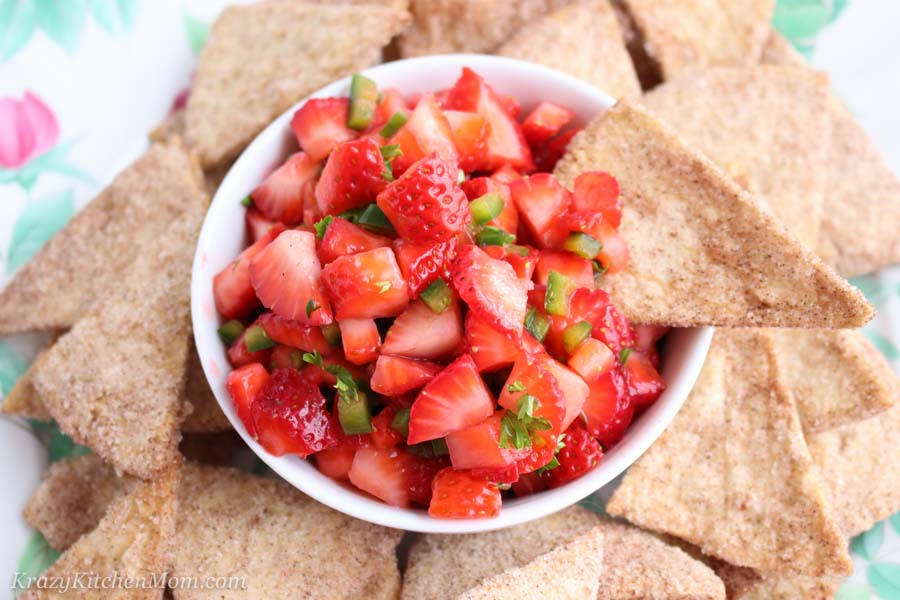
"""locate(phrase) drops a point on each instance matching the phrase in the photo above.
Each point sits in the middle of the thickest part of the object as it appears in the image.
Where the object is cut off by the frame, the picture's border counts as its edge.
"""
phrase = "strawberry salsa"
(417, 309)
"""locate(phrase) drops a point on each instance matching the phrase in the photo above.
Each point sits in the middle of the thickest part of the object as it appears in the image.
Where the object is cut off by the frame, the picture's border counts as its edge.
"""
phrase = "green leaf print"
(128, 10)
(885, 578)
(114, 16)
(18, 19)
(869, 543)
(12, 365)
(594, 503)
(197, 31)
(62, 21)
(59, 445)
(895, 523)
(853, 591)
(37, 224)
(798, 19)
(36, 558)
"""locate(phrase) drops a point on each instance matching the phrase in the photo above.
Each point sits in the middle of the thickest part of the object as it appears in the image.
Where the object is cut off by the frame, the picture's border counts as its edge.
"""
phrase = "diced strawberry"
(335, 462)
(239, 355)
(425, 204)
(574, 390)
(508, 474)
(367, 285)
(506, 143)
(491, 288)
(608, 409)
(598, 191)
(280, 197)
(545, 121)
(431, 132)
(478, 446)
(257, 224)
(396, 375)
(645, 384)
(546, 155)
(508, 219)
(244, 385)
(343, 237)
(360, 339)
(506, 174)
(455, 399)
(321, 124)
(421, 264)
(287, 278)
(540, 200)
(232, 290)
(592, 359)
(528, 484)
(534, 375)
(470, 134)
(608, 324)
(352, 177)
(291, 417)
(523, 264)
(580, 454)
(490, 348)
(344, 440)
(392, 102)
(409, 151)
(293, 333)
(459, 495)
(394, 476)
(419, 332)
(565, 263)
(383, 435)
(511, 105)
(419, 474)
(646, 339)
(322, 377)
(614, 254)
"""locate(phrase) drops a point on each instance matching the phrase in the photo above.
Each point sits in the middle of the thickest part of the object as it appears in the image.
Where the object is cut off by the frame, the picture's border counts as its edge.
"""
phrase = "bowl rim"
(342, 497)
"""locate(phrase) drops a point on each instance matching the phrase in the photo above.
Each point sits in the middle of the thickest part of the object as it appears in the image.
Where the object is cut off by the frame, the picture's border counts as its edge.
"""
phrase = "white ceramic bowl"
(223, 237)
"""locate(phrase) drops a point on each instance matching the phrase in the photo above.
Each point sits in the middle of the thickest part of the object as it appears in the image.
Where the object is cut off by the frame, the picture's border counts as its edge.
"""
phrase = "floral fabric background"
(82, 81)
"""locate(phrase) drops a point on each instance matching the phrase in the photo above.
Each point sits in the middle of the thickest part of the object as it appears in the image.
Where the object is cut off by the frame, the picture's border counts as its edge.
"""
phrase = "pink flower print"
(28, 128)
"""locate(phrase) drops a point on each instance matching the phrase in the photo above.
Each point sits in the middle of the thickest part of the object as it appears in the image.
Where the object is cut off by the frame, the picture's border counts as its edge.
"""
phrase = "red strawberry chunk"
(455, 399)
(281, 197)
(293, 333)
(244, 385)
(470, 132)
(427, 132)
(419, 332)
(360, 339)
(490, 348)
(592, 359)
(257, 224)
(343, 237)
(574, 390)
(614, 254)
(528, 484)
(546, 155)
(598, 191)
(491, 288)
(506, 174)
(421, 264)
(508, 219)
(608, 409)
(321, 124)
(645, 384)
(352, 177)
(396, 375)
(545, 121)
(232, 290)
(523, 265)
(394, 476)
(291, 417)
(239, 355)
(540, 200)
(392, 102)
(609, 325)
(565, 263)
(478, 446)
(335, 462)
(367, 285)
(287, 278)
(532, 373)
(425, 204)
(580, 454)
(460, 495)
(506, 143)
(383, 435)
(646, 338)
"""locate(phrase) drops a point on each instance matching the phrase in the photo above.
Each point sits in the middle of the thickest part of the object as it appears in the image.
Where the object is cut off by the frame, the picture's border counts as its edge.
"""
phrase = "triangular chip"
(746, 584)
(262, 58)
(745, 119)
(171, 128)
(571, 39)
(835, 375)
(73, 497)
(703, 251)
(277, 539)
(206, 415)
(23, 399)
(88, 256)
(779, 51)
(568, 572)
(475, 26)
(114, 382)
(636, 564)
(133, 540)
(732, 475)
(694, 34)
(860, 469)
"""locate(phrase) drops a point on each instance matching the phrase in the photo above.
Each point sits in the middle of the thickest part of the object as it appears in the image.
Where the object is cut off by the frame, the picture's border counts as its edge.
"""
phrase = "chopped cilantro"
(516, 428)
(388, 173)
(346, 386)
(383, 286)
(624, 354)
(515, 386)
(390, 152)
(311, 307)
(322, 225)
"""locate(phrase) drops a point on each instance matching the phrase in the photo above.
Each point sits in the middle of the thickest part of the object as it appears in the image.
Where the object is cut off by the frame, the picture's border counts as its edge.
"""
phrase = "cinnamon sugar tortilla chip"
(746, 120)
(732, 475)
(779, 51)
(476, 26)
(278, 539)
(695, 34)
(568, 572)
(23, 399)
(702, 250)
(835, 375)
(746, 584)
(114, 382)
(860, 469)
(261, 58)
(635, 563)
(90, 254)
(172, 127)
(570, 40)
(206, 415)
(134, 539)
